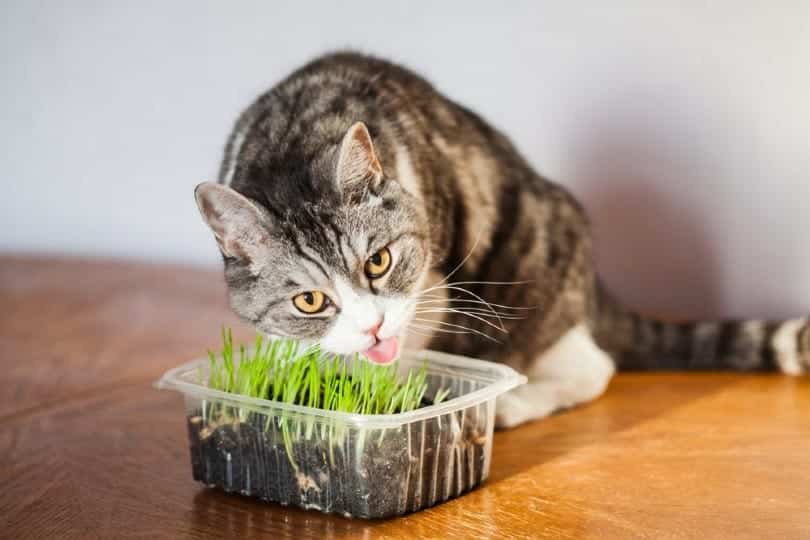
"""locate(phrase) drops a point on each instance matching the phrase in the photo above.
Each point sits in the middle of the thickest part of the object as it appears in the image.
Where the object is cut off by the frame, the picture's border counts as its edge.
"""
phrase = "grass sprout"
(281, 370)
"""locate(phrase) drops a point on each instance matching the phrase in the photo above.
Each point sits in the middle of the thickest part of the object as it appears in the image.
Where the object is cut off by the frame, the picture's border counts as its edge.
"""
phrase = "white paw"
(515, 408)
(509, 412)
(574, 370)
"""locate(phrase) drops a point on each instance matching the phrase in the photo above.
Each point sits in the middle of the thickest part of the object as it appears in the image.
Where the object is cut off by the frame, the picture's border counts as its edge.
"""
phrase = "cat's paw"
(529, 402)
(511, 411)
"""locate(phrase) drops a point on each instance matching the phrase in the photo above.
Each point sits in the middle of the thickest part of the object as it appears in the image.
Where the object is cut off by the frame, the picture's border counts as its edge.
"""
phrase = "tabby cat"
(357, 206)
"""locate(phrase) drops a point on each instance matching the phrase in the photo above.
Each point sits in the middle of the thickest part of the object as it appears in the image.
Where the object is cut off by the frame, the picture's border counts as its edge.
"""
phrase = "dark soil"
(411, 467)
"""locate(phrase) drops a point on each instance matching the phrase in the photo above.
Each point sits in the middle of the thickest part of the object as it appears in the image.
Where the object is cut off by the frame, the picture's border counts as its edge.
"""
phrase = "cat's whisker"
(431, 329)
(418, 333)
(438, 296)
(467, 314)
(459, 289)
(497, 283)
(434, 330)
(473, 311)
(484, 314)
(459, 326)
(446, 331)
(469, 309)
(461, 309)
(463, 290)
(464, 260)
(472, 316)
(489, 323)
(469, 305)
(471, 301)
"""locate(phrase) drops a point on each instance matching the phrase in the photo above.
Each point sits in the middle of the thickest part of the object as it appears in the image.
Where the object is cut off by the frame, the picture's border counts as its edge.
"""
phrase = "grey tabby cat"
(357, 206)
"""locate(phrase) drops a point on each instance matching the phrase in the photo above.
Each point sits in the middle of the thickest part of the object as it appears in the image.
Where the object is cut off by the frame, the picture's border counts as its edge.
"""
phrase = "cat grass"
(354, 466)
(281, 370)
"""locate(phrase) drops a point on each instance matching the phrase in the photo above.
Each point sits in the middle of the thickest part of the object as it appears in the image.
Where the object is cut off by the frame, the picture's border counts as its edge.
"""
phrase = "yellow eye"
(378, 264)
(311, 302)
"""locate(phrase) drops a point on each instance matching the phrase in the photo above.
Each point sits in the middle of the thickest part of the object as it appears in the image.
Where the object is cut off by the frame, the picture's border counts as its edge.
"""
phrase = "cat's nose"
(374, 329)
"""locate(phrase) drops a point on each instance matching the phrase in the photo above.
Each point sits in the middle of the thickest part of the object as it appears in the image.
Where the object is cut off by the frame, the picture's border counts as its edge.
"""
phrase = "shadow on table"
(631, 400)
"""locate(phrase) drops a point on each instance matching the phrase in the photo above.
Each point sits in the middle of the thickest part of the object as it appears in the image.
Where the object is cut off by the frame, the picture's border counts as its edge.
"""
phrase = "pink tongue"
(383, 352)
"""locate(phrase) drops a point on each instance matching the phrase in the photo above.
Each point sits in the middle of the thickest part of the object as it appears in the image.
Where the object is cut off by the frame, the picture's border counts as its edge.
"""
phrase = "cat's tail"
(641, 343)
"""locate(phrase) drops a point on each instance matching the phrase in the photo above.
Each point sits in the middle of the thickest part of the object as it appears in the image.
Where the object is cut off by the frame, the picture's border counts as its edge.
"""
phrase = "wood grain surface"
(89, 450)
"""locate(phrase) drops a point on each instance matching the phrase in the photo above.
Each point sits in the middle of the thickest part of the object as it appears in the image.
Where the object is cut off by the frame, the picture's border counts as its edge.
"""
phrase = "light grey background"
(684, 127)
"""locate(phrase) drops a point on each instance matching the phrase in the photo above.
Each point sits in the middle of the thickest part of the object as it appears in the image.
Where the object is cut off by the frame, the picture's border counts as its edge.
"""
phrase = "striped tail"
(640, 343)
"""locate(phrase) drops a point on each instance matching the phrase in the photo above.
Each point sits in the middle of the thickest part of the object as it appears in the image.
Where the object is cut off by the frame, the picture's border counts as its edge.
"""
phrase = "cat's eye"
(378, 264)
(311, 302)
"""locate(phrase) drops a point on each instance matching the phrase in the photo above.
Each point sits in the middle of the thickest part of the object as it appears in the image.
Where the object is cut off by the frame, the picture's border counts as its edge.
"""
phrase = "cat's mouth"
(384, 351)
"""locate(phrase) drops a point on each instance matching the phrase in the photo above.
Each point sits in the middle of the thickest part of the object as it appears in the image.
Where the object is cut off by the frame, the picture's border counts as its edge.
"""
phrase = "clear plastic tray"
(369, 466)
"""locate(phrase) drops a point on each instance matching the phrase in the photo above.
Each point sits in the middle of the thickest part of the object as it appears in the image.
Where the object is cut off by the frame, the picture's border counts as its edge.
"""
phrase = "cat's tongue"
(384, 351)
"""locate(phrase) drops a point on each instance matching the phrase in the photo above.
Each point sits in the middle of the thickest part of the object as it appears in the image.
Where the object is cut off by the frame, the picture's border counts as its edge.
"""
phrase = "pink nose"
(374, 329)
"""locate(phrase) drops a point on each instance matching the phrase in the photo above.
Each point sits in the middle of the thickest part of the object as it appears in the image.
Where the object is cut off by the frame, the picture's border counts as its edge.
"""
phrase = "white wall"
(685, 130)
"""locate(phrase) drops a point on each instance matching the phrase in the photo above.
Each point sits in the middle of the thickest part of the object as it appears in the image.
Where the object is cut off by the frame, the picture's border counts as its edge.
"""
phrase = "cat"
(356, 206)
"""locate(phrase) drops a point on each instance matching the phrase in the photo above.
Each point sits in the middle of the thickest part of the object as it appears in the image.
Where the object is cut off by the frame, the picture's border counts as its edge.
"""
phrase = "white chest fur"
(574, 370)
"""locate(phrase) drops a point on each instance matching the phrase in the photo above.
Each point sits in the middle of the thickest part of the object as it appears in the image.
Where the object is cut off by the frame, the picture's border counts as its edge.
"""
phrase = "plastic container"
(369, 466)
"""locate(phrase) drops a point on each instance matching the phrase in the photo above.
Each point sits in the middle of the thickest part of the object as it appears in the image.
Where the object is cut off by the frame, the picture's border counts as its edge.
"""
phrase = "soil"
(366, 474)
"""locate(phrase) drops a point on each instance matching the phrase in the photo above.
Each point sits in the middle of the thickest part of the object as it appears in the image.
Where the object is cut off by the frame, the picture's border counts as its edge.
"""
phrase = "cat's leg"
(574, 370)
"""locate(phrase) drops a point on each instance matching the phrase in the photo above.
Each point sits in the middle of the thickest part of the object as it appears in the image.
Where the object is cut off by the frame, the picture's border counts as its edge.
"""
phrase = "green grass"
(281, 370)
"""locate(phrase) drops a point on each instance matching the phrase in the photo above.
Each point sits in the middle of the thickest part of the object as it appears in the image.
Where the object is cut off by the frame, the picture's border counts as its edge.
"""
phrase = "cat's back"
(331, 92)
(337, 88)
(306, 115)
(355, 73)
(289, 135)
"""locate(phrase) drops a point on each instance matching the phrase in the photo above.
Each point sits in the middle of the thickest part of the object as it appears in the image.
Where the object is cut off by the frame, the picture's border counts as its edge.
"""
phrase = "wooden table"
(88, 449)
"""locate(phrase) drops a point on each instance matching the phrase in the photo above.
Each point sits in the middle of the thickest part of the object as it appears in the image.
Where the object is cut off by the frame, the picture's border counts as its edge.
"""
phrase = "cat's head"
(340, 266)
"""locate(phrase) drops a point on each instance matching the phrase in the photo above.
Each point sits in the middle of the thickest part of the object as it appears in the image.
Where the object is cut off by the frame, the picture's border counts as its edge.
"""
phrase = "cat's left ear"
(240, 228)
(358, 167)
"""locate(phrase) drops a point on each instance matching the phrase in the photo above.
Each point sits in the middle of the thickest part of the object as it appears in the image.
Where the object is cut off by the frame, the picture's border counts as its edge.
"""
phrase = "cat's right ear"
(240, 228)
(358, 167)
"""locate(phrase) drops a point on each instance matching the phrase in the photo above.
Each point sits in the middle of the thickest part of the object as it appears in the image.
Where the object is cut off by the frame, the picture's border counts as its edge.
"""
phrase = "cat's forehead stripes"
(338, 242)
(310, 257)
(341, 242)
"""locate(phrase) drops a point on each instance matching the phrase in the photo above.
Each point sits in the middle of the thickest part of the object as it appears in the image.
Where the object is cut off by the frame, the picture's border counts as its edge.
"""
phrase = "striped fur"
(351, 153)
(640, 343)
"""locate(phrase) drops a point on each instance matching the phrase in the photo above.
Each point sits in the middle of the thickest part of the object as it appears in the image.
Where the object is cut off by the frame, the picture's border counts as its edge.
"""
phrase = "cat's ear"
(238, 225)
(358, 167)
